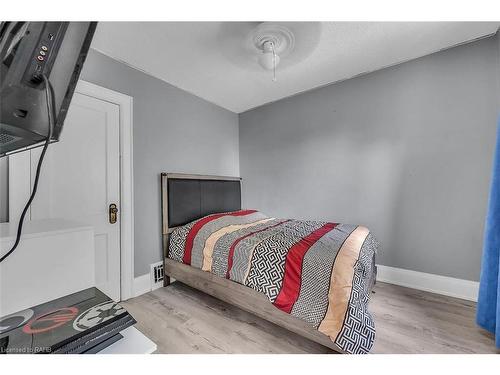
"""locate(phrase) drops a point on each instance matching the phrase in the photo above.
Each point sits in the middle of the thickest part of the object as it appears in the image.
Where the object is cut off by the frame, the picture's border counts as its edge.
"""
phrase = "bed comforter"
(317, 271)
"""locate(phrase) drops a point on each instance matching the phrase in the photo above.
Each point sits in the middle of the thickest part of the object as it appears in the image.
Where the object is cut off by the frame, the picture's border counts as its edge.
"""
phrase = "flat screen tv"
(28, 52)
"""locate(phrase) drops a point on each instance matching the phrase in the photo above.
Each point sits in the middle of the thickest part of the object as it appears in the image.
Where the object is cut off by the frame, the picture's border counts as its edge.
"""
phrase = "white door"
(81, 178)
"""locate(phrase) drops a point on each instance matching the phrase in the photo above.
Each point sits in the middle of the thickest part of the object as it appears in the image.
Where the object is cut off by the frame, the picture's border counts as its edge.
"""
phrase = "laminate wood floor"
(180, 319)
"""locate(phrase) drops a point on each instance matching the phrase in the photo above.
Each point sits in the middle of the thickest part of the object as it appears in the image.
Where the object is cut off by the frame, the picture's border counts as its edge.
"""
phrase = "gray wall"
(174, 131)
(4, 190)
(406, 151)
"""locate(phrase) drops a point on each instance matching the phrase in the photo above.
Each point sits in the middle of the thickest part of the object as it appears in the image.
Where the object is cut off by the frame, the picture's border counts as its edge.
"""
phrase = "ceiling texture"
(216, 61)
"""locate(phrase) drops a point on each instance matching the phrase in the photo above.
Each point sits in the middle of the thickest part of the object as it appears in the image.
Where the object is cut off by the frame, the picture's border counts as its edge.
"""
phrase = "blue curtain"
(488, 305)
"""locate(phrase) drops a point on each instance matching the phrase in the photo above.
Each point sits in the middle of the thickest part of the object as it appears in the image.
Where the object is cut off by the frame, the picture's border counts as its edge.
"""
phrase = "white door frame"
(20, 184)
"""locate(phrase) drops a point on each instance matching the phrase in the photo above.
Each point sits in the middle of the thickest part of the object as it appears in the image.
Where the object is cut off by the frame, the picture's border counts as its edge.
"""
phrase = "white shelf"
(43, 227)
(133, 342)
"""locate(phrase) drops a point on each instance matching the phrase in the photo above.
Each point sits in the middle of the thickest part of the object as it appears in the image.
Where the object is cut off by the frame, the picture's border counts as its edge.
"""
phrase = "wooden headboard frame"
(166, 177)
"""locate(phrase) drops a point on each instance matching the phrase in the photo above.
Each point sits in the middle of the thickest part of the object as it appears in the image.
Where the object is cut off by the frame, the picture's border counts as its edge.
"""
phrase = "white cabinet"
(133, 342)
(54, 258)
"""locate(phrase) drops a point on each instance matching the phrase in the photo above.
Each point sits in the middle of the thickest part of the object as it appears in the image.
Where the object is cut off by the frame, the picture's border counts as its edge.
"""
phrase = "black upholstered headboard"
(188, 197)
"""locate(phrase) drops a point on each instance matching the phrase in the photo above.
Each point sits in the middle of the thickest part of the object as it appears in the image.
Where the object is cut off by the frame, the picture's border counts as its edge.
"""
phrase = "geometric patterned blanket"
(317, 271)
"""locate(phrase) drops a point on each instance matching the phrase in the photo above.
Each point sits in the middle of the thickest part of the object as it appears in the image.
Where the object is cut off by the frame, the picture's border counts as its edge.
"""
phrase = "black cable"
(51, 115)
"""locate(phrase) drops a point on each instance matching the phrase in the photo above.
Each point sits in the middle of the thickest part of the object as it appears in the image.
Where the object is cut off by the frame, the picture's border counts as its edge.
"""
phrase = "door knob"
(113, 211)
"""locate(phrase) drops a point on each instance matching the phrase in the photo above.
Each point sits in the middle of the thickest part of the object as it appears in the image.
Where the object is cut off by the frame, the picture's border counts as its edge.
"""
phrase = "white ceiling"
(208, 59)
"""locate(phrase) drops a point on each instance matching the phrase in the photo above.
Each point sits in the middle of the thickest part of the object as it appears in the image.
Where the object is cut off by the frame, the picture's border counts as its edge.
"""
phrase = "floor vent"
(156, 275)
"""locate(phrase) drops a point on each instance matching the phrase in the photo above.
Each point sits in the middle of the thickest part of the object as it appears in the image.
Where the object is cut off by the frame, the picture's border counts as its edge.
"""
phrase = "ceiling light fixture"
(272, 41)
(269, 59)
(260, 48)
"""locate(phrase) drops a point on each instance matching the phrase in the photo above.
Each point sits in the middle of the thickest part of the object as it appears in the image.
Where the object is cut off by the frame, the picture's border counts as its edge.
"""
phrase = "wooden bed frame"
(224, 289)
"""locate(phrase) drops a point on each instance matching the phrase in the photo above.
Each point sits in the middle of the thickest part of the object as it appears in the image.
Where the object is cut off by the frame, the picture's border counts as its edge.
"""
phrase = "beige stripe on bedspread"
(214, 237)
(341, 282)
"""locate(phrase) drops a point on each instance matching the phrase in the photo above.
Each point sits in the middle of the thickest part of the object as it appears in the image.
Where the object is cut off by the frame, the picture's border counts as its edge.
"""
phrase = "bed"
(313, 278)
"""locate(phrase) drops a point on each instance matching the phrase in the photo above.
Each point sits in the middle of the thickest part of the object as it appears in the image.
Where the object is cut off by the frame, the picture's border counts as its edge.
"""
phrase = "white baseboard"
(428, 282)
(142, 284)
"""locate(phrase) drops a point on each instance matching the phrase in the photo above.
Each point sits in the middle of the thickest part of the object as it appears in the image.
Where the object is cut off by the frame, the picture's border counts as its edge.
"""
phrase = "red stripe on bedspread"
(186, 259)
(293, 268)
(233, 246)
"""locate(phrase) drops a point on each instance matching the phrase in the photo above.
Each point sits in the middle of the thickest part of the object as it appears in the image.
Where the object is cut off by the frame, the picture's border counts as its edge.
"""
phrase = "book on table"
(82, 322)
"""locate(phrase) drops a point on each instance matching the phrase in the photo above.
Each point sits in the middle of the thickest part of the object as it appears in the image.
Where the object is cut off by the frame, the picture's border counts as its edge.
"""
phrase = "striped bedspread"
(317, 271)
